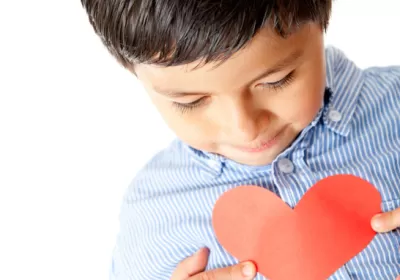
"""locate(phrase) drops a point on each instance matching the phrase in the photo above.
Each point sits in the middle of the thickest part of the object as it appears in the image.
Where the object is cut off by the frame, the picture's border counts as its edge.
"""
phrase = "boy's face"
(251, 107)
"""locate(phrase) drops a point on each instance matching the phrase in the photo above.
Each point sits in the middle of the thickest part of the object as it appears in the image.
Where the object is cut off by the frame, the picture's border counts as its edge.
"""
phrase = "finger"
(386, 222)
(191, 265)
(243, 271)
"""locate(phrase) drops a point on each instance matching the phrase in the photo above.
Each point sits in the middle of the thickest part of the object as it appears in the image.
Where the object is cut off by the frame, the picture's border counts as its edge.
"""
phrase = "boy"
(254, 99)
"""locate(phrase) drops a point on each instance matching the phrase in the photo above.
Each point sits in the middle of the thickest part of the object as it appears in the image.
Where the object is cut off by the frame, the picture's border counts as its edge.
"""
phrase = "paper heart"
(329, 226)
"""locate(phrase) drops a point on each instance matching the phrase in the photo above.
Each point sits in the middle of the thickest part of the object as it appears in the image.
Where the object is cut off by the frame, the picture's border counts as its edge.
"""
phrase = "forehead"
(264, 51)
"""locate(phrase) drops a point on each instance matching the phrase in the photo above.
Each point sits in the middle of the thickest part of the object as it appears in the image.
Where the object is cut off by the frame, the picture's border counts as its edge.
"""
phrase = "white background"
(72, 130)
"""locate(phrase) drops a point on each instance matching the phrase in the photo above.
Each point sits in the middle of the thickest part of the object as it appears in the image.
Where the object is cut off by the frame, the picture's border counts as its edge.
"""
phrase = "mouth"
(262, 145)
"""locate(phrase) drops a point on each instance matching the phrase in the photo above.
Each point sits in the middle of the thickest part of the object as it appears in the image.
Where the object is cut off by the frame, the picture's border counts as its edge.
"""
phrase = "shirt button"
(285, 165)
(334, 115)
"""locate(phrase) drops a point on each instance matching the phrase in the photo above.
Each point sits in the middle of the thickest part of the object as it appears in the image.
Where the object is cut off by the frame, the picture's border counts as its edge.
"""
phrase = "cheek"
(189, 128)
(310, 97)
(310, 108)
(305, 105)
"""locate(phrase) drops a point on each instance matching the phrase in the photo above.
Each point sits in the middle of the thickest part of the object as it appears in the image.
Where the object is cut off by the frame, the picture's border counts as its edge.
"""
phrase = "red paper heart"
(328, 227)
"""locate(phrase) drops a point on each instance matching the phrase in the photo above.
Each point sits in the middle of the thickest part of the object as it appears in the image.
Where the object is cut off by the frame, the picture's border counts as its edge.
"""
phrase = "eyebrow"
(279, 66)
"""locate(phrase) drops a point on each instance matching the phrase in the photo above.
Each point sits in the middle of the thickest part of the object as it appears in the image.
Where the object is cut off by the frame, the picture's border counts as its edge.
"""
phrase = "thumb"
(386, 222)
(191, 265)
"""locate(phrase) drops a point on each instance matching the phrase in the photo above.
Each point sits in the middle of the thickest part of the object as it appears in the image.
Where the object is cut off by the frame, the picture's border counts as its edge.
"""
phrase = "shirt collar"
(211, 164)
(345, 81)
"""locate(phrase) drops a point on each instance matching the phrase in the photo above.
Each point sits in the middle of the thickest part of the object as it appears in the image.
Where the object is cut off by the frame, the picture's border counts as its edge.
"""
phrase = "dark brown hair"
(175, 32)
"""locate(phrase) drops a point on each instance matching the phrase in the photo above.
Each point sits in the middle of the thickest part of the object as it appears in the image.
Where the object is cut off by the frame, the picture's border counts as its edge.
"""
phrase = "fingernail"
(248, 270)
(377, 222)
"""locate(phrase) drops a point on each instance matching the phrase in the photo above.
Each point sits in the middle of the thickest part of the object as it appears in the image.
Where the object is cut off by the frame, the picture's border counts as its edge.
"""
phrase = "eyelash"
(280, 84)
(188, 107)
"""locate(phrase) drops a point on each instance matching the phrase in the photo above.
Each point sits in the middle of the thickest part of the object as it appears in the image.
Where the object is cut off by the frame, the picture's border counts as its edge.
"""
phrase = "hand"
(193, 268)
(386, 222)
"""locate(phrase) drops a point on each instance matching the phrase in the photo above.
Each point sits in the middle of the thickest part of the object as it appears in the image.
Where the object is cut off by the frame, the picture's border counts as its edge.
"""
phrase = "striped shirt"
(167, 210)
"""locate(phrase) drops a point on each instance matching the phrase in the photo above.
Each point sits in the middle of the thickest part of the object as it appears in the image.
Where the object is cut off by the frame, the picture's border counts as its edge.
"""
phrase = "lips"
(261, 145)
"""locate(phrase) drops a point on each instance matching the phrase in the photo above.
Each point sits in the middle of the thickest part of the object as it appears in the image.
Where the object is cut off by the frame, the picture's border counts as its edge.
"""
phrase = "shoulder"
(158, 172)
(381, 93)
(382, 80)
(176, 169)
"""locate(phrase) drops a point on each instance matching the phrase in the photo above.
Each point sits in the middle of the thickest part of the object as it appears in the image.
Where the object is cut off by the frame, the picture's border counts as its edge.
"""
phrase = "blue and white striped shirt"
(166, 212)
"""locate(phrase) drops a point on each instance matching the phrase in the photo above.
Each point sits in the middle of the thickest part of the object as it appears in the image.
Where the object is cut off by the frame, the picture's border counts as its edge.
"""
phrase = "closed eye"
(186, 107)
(279, 84)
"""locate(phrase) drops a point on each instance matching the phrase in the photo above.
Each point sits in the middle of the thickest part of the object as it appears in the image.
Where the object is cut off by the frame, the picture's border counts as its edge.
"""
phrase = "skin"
(239, 110)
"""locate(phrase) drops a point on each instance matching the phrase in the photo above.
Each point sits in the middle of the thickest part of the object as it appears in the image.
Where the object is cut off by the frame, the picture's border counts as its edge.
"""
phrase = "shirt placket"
(292, 177)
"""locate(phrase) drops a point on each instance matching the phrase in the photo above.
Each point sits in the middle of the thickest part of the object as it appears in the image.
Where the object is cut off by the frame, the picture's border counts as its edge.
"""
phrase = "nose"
(243, 120)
